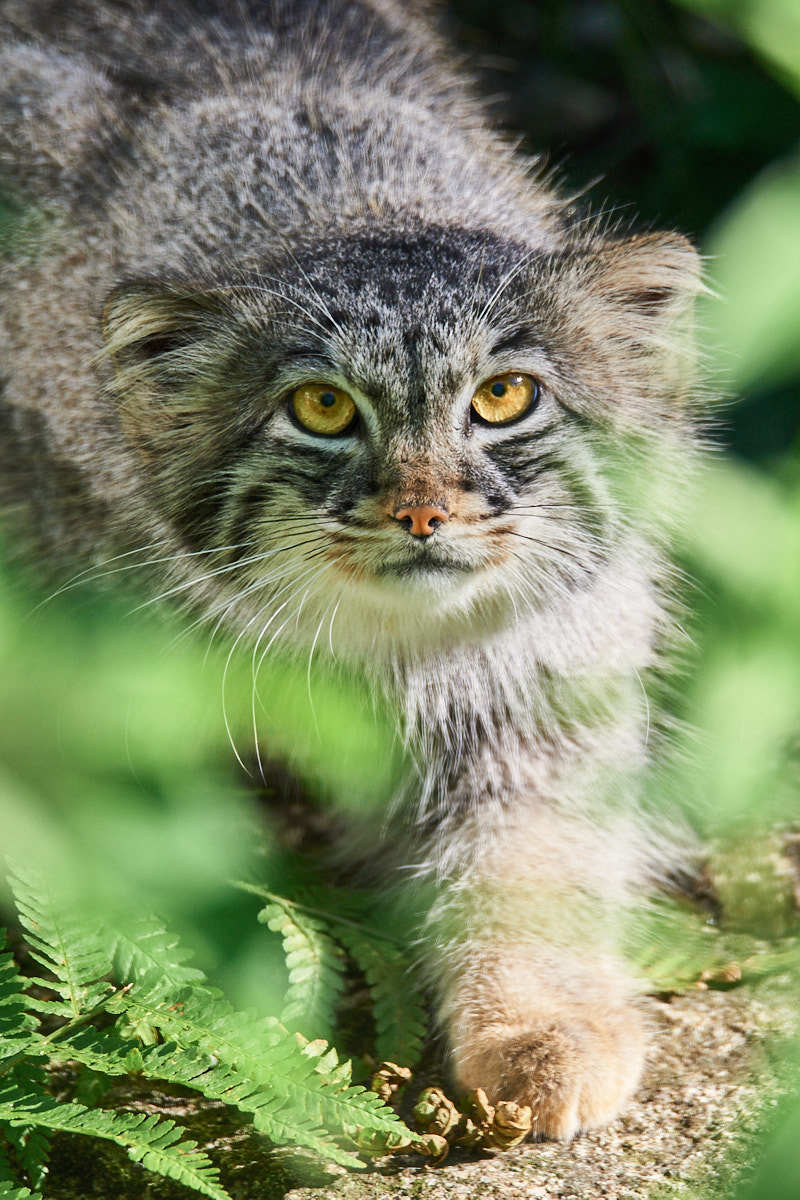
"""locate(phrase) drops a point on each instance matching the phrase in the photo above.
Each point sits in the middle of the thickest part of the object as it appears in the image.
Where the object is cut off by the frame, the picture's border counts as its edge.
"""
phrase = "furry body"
(233, 204)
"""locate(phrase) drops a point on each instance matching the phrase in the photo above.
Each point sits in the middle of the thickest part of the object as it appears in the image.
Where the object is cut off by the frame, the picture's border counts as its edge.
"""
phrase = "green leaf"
(15, 1022)
(32, 1149)
(62, 942)
(9, 1191)
(145, 951)
(400, 1017)
(297, 1094)
(316, 968)
(755, 268)
(7, 1177)
(153, 1142)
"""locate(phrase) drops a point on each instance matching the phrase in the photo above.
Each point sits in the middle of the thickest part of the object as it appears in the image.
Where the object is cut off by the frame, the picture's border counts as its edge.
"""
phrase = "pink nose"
(421, 520)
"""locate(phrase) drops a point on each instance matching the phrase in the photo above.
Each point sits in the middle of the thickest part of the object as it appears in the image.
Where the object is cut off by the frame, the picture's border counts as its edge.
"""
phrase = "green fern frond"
(15, 1022)
(272, 1113)
(146, 952)
(31, 1148)
(10, 1191)
(316, 966)
(149, 1140)
(297, 1094)
(7, 1177)
(104, 1051)
(62, 943)
(399, 1011)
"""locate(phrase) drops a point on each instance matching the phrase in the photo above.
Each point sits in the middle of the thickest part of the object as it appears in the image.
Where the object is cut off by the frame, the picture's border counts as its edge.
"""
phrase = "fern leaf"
(400, 1017)
(7, 1178)
(400, 1014)
(16, 1025)
(197, 1069)
(316, 968)
(61, 942)
(296, 1094)
(10, 1191)
(146, 951)
(31, 1148)
(149, 1140)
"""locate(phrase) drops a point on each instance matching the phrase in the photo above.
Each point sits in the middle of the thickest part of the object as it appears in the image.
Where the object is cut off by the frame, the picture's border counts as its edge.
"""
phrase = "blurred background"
(114, 756)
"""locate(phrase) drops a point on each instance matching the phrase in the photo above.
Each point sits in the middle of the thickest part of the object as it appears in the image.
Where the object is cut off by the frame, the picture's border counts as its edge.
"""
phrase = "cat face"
(414, 436)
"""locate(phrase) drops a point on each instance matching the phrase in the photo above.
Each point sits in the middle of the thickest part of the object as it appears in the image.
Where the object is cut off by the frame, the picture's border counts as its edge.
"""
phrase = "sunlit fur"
(231, 205)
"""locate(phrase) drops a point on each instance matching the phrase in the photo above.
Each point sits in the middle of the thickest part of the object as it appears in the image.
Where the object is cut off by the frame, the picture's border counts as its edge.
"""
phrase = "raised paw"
(574, 1074)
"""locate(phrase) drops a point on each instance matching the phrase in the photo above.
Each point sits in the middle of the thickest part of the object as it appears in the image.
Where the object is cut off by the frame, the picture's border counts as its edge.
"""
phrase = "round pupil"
(327, 399)
(498, 389)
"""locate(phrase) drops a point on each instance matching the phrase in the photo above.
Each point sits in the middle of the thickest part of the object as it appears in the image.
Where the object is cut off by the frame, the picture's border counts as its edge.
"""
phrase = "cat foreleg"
(536, 1002)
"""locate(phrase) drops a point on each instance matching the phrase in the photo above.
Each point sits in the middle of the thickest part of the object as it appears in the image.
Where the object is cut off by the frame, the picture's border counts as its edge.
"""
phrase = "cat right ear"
(150, 327)
(168, 346)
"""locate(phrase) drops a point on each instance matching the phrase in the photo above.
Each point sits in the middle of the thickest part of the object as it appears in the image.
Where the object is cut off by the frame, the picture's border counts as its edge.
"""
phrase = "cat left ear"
(625, 310)
(648, 275)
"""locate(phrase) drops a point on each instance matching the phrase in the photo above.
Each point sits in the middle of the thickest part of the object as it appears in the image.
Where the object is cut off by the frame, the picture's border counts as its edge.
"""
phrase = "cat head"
(414, 437)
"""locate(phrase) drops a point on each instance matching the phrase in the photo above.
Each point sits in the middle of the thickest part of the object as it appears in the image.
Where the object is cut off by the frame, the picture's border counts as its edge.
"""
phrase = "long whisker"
(265, 651)
(265, 291)
(224, 606)
(93, 573)
(256, 667)
(548, 546)
(330, 626)
(276, 634)
(164, 558)
(504, 283)
(241, 562)
(76, 579)
(308, 671)
(321, 303)
(226, 669)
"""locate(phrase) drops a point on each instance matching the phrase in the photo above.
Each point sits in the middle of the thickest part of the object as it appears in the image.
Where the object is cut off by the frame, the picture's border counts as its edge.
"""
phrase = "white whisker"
(234, 566)
(330, 627)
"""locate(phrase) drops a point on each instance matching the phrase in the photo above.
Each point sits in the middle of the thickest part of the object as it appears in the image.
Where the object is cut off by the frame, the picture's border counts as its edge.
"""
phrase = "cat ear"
(627, 308)
(150, 329)
(648, 276)
(167, 346)
(177, 382)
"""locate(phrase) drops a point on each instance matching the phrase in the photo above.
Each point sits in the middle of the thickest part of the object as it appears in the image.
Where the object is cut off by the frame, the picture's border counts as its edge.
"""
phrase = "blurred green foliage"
(116, 765)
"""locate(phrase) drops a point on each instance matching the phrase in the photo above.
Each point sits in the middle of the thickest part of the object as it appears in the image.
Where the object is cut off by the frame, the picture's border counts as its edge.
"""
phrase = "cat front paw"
(574, 1073)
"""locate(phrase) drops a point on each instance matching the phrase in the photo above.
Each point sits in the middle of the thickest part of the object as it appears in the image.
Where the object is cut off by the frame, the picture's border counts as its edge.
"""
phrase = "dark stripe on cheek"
(249, 506)
(309, 483)
(195, 499)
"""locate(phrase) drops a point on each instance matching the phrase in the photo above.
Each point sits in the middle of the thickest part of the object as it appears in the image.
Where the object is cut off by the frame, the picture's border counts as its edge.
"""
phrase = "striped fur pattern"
(232, 200)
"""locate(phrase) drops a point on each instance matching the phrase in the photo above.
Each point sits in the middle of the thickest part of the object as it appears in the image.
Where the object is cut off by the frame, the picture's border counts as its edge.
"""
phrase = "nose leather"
(421, 520)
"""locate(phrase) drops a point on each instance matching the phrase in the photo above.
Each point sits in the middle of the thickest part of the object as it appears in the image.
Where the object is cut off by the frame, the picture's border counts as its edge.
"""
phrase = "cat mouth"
(420, 566)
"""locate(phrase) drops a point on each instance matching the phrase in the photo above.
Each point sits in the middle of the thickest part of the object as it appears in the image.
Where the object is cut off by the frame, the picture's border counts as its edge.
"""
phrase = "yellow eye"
(505, 398)
(322, 409)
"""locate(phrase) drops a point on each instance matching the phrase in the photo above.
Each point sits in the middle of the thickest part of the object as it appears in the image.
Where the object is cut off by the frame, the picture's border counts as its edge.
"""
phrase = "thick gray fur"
(224, 201)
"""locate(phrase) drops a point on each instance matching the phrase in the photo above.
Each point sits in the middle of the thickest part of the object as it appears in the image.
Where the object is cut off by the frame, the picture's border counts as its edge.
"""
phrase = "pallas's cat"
(298, 324)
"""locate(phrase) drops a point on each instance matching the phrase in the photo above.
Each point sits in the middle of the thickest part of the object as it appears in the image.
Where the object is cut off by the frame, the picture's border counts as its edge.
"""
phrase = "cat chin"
(424, 612)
